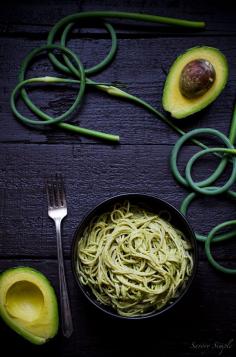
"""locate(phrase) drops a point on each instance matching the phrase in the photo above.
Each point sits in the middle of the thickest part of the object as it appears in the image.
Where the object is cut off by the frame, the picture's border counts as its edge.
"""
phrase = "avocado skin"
(37, 340)
(174, 102)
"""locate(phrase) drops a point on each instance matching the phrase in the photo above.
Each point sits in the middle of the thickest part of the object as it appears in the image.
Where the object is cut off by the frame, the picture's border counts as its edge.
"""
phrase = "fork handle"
(66, 317)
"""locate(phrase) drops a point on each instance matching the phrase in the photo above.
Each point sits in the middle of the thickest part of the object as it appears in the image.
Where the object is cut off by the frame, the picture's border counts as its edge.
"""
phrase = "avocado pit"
(196, 78)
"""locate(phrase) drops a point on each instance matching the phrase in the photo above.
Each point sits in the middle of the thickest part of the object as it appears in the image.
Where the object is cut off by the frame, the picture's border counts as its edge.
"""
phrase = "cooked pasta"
(133, 260)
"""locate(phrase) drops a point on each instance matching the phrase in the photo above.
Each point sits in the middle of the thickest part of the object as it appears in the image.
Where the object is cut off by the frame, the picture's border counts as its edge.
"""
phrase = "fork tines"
(55, 191)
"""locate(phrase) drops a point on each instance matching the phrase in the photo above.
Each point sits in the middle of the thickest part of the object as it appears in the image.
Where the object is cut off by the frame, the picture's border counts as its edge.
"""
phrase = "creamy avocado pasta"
(133, 260)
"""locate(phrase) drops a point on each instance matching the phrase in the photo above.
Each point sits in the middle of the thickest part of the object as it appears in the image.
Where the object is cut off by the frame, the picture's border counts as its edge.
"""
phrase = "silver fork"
(57, 210)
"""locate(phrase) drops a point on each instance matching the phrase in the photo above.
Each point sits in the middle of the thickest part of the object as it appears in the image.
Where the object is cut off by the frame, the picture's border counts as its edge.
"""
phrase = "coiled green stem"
(72, 66)
(205, 187)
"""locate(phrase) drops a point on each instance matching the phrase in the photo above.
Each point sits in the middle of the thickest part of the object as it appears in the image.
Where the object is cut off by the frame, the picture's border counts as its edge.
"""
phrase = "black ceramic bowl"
(149, 203)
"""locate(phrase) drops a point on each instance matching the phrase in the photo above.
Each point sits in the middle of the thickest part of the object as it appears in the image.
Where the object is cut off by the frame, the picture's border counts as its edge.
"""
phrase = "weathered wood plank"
(36, 18)
(140, 68)
(92, 173)
(205, 320)
(175, 337)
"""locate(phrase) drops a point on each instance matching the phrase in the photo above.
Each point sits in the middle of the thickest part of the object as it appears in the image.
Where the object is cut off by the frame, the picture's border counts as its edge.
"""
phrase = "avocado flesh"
(178, 105)
(28, 304)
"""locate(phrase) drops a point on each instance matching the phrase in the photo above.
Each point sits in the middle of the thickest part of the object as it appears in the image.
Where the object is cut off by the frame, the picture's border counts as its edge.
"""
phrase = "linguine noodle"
(133, 260)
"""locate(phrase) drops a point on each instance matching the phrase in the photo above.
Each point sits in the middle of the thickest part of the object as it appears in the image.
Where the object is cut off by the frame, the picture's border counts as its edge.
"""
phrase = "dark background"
(94, 170)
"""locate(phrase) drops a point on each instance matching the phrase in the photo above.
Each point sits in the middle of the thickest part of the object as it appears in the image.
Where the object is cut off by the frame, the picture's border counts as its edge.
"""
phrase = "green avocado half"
(28, 304)
(173, 99)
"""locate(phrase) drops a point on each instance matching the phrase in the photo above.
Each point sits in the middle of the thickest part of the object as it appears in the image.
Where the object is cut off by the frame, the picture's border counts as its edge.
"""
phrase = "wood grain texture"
(38, 17)
(142, 75)
(94, 171)
(197, 320)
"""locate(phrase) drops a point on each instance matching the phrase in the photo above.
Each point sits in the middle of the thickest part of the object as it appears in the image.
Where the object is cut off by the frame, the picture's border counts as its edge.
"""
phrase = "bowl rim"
(106, 202)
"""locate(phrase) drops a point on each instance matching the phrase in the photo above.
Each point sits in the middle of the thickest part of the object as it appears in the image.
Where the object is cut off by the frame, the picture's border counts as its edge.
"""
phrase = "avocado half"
(28, 304)
(174, 101)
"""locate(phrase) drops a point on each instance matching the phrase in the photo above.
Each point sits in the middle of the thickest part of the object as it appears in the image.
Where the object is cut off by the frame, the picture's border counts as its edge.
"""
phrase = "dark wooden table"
(204, 324)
